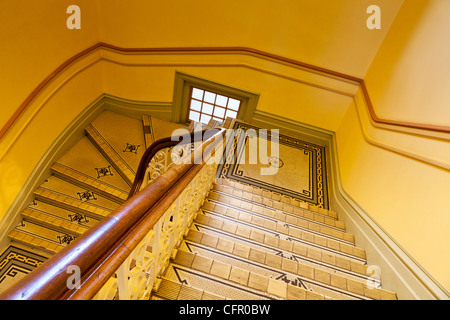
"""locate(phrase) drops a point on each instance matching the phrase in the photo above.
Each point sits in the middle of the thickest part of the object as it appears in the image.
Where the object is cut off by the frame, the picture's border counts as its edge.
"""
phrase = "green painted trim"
(292, 128)
(136, 109)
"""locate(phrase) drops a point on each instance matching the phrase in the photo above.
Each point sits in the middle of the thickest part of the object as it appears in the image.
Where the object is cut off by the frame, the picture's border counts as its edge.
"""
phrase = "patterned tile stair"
(245, 243)
(86, 184)
(248, 243)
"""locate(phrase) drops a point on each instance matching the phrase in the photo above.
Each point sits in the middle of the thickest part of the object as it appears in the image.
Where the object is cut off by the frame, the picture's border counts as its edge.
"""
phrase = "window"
(206, 105)
(197, 99)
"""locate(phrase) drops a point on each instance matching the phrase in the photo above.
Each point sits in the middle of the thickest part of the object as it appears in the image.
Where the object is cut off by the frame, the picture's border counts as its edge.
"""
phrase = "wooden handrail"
(156, 147)
(102, 249)
(245, 50)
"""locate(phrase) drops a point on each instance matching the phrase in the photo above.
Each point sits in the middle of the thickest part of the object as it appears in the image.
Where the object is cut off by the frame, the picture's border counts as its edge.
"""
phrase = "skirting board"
(400, 272)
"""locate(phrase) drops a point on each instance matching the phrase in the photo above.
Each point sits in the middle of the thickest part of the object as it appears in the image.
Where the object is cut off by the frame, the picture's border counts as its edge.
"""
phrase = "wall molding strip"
(239, 50)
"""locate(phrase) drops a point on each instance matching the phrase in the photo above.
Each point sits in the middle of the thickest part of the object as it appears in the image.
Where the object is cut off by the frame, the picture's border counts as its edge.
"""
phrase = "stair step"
(260, 204)
(55, 223)
(56, 184)
(71, 203)
(224, 242)
(35, 238)
(125, 135)
(84, 181)
(111, 155)
(148, 131)
(85, 159)
(163, 129)
(274, 199)
(248, 282)
(65, 215)
(261, 215)
(274, 267)
(171, 290)
(241, 224)
(271, 265)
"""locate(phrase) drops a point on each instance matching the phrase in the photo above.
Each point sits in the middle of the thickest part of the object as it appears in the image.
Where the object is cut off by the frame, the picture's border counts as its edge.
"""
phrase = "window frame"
(213, 104)
(182, 96)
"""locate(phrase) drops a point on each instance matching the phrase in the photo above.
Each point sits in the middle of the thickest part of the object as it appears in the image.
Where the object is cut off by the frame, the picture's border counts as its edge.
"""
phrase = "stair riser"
(58, 225)
(254, 245)
(110, 154)
(313, 228)
(271, 270)
(272, 233)
(273, 199)
(82, 185)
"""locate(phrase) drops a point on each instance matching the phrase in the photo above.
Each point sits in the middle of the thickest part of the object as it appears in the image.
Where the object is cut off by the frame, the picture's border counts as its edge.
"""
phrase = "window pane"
(219, 112)
(209, 97)
(233, 104)
(217, 119)
(196, 105)
(221, 101)
(207, 108)
(195, 116)
(205, 118)
(231, 114)
(197, 94)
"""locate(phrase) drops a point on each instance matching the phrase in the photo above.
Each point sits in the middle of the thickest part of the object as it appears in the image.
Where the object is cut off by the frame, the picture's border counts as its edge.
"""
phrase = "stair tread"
(227, 274)
(259, 215)
(61, 213)
(87, 182)
(119, 130)
(277, 200)
(113, 157)
(273, 264)
(274, 267)
(55, 184)
(241, 224)
(326, 285)
(163, 129)
(56, 223)
(261, 202)
(34, 241)
(172, 290)
(71, 203)
(85, 159)
(209, 238)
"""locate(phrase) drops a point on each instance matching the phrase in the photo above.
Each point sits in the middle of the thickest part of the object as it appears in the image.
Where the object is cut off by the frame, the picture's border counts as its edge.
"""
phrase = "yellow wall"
(35, 41)
(405, 196)
(408, 198)
(409, 78)
(327, 33)
(408, 81)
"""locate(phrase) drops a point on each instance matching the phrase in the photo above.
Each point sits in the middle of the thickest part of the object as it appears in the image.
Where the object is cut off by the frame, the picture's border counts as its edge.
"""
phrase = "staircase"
(245, 243)
(248, 243)
(87, 183)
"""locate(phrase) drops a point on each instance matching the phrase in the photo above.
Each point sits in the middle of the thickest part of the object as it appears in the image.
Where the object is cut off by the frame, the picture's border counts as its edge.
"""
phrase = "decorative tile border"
(318, 186)
(14, 261)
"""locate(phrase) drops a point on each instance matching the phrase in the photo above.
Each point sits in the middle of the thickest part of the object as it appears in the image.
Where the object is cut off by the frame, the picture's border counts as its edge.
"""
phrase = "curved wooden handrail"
(244, 50)
(156, 147)
(102, 249)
